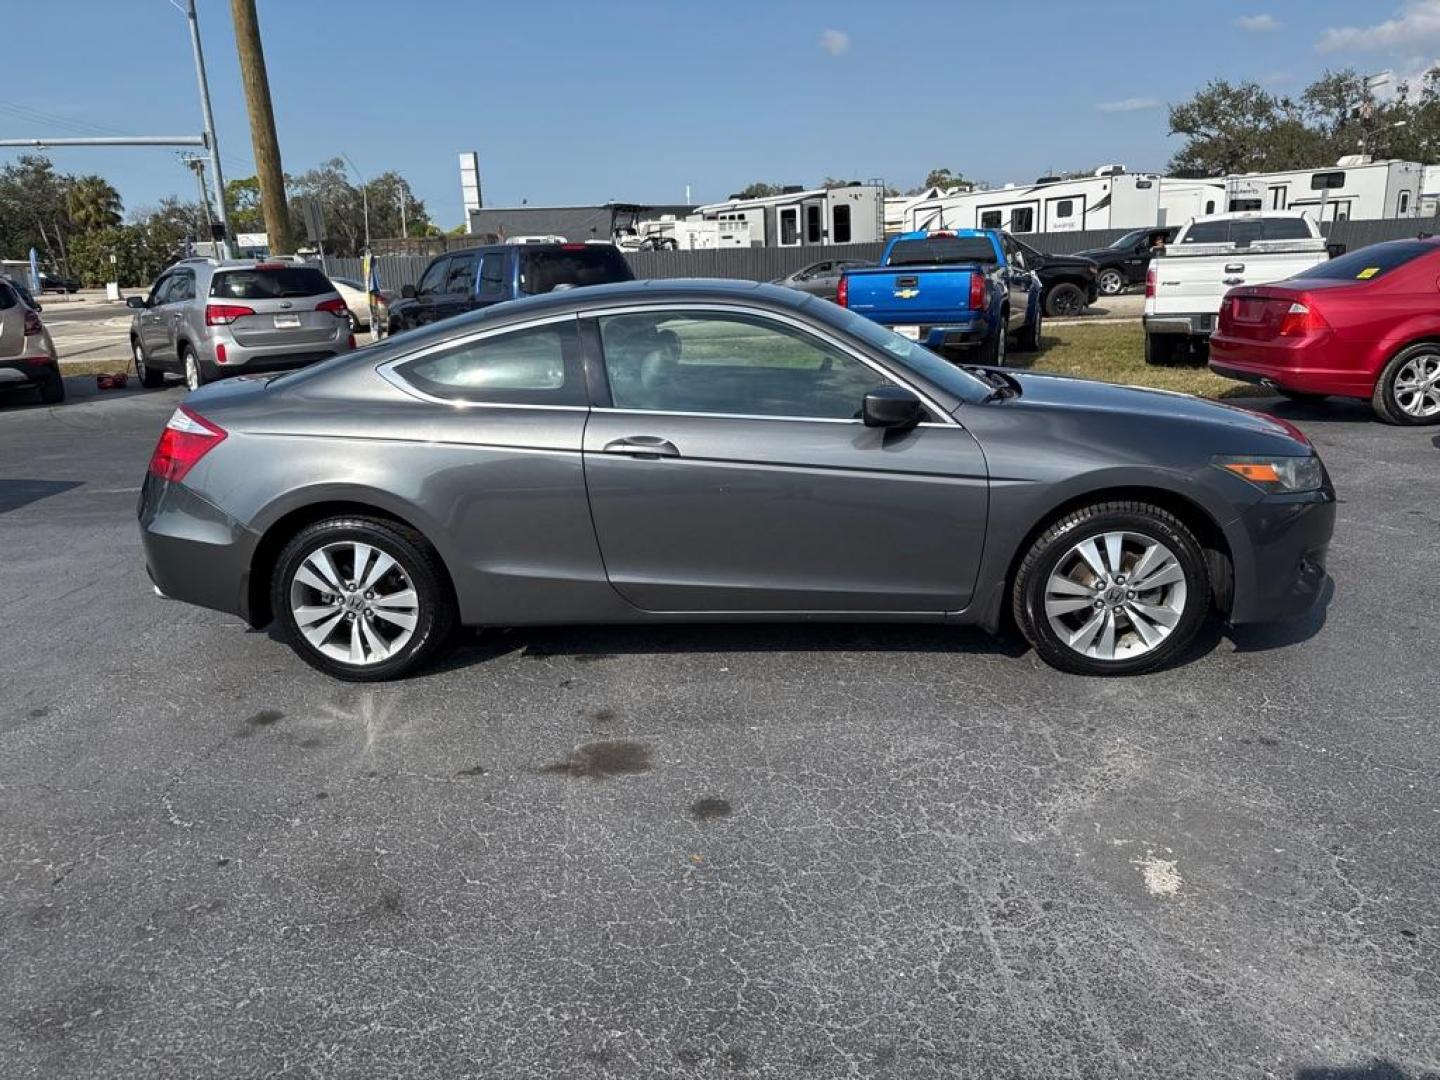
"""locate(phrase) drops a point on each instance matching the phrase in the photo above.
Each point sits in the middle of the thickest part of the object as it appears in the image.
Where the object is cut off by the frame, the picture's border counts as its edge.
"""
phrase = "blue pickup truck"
(960, 292)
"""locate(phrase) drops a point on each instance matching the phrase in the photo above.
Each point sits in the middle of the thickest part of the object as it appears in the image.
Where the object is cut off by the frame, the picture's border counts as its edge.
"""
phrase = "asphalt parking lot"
(691, 851)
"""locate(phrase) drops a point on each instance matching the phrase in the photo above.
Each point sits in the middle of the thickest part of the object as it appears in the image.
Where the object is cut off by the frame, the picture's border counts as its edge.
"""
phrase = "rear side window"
(942, 251)
(270, 283)
(536, 366)
(1368, 263)
(1285, 228)
(8, 299)
(575, 265)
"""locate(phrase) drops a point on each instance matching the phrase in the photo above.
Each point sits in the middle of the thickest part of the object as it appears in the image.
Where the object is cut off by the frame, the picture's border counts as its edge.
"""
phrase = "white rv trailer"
(693, 233)
(898, 206)
(851, 214)
(1430, 191)
(1112, 201)
(1354, 188)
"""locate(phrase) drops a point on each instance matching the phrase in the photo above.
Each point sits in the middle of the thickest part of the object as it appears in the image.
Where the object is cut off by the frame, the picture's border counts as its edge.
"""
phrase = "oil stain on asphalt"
(709, 808)
(602, 760)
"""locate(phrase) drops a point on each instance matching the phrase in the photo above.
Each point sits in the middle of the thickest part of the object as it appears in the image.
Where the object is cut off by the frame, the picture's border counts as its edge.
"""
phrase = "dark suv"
(461, 281)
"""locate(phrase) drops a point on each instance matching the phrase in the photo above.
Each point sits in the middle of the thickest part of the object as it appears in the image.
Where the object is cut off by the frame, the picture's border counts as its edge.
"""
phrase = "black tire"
(1385, 401)
(1065, 301)
(52, 390)
(200, 375)
(436, 608)
(992, 349)
(1110, 282)
(1028, 340)
(149, 377)
(1163, 349)
(353, 322)
(1057, 543)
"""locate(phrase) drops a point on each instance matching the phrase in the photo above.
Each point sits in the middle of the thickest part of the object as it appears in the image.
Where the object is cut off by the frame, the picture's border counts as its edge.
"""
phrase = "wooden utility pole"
(262, 126)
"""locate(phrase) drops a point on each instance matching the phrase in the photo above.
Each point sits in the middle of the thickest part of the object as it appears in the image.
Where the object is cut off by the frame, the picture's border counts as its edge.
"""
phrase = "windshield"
(1130, 239)
(942, 251)
(917, 358)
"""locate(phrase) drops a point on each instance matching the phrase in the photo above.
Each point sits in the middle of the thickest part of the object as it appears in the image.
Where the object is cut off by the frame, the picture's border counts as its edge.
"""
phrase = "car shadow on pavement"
(1262, 637)
(591, 644)
(1375, 1069)
(79, 389)
(1329, 411)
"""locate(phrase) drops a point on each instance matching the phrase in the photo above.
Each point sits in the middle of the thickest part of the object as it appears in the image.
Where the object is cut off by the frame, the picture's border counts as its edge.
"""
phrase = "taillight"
(977, 292)
(335, 307)
(33, 328)
(1150, 283)
(225, 314)
(1300, 321)
(842, 291)
(186, 439)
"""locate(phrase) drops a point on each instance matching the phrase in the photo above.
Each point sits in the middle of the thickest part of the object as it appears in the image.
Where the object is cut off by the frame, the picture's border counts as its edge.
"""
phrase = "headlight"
(1275, 473)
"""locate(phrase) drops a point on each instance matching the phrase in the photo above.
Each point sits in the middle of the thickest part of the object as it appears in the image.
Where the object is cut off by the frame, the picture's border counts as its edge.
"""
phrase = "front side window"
(433, 280)
(159, 289)
(461, 275)
(492, 274)
(536, 366)
(729, 364)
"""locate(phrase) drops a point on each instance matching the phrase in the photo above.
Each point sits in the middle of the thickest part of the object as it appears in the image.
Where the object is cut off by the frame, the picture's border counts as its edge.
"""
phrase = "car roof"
(925, 234)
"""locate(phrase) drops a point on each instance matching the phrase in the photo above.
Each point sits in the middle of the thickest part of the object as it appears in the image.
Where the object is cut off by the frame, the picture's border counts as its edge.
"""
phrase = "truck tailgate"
(914, 295)
(1196, 284)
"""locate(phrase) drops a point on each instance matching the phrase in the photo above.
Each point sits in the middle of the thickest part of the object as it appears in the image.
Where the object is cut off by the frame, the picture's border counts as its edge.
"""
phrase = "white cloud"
(1258, 24)
(1416, 23)
(834, 42)
(1130, 104)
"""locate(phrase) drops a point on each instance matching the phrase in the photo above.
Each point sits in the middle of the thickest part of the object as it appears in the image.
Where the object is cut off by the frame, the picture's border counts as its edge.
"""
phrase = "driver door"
(730, 473)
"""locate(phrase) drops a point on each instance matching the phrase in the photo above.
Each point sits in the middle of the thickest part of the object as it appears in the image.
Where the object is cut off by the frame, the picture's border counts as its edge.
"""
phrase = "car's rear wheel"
(194, 373)
(148, 376)
(992, 349)
(1110, 282)
(52, 390)
(1117, 588)
(362, 599)
(1028, 340)
(1408, 390)
(1065, 301)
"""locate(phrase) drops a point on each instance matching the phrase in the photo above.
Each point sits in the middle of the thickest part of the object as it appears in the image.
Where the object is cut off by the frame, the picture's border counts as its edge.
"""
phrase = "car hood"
(1231, 428)
(1083, 262)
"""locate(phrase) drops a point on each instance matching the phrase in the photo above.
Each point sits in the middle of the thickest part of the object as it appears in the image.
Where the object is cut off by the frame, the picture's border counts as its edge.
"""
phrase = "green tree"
(242, 205)
(92, 203)
(758, 190)
(33, 210)
(941, 178)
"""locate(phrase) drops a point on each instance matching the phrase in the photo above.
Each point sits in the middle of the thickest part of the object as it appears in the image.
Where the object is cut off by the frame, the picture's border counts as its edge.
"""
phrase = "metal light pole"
(211, 141)
(364, 196)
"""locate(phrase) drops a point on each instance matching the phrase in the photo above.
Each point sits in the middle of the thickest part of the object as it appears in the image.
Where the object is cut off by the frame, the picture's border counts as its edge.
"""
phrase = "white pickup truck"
(1211, 255)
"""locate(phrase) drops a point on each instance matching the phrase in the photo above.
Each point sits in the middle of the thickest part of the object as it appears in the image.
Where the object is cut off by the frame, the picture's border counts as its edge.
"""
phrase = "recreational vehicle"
(850, 214)
(1111, 201)
(1355, 188)
(694, 233)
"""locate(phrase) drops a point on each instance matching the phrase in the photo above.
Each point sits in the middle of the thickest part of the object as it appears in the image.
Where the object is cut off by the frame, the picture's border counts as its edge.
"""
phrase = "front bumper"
(1279, 546)
(194, 551)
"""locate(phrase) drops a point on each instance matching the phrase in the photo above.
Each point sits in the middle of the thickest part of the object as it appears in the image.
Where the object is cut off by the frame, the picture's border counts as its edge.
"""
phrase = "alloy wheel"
(1115, 596)
(139, 357)
(354, 602)
(1417, 386)
(1110, 282)
(192, 371)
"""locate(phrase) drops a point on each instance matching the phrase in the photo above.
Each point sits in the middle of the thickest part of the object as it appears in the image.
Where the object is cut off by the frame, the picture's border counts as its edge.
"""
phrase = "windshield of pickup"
(942, 251)
(1129, 240)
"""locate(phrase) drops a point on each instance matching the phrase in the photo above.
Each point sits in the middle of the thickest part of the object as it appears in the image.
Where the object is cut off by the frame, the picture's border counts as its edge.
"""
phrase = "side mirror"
(407, 291)
(135, 302)
(891, 407)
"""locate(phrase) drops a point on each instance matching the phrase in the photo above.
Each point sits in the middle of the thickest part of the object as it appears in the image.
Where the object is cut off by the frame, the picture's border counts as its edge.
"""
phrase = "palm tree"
(93, 204)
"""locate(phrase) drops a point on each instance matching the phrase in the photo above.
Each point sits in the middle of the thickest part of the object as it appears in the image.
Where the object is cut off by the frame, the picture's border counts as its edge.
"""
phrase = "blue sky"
(581, 102)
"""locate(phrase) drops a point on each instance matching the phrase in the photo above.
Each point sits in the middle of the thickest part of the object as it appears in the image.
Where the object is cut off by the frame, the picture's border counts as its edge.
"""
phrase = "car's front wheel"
(362, 599)
(1116, 588)
(1065, 301)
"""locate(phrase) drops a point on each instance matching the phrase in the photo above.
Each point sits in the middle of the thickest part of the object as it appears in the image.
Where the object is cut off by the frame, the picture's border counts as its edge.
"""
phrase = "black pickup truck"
(472, 278)
(1068, 283)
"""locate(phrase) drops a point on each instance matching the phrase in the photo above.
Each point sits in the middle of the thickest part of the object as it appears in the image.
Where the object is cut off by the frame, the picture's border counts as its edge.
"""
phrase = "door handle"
(649, 447)
(1233, 281)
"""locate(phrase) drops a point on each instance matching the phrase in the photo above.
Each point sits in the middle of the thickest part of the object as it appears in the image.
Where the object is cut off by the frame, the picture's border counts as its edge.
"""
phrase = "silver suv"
(205, 319)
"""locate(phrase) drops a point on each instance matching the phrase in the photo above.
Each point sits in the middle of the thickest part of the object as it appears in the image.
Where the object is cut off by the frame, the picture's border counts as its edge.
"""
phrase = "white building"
(850, 214)
(1110, 201)
(1354, 188)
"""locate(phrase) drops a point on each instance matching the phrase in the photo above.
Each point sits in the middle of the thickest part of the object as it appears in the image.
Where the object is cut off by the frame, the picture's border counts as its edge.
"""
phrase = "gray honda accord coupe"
(698, 451)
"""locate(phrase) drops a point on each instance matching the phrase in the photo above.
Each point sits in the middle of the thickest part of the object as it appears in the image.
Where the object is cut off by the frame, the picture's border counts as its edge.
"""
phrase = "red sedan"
(1365, 325)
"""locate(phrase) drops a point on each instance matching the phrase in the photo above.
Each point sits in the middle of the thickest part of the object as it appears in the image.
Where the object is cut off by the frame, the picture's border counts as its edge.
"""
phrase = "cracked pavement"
(771, 851)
